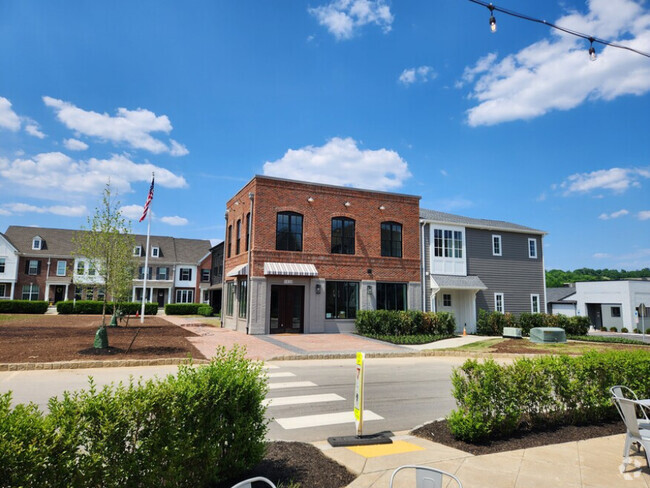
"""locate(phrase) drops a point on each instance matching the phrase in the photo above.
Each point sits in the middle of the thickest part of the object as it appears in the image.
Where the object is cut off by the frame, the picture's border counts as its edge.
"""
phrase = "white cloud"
(617, 180)
(635, 259)
(644, 215)
(556, 74)
(341, 162)
(343, 17)
(601, 255)
(175, 220)
(133, 127)
(455, 203)
(63, 175)
(613, 215)
(8, 118)
(417, 75)
(4, 212)
(33, 129)
(75, 144)
(68, 211)
(133, 212)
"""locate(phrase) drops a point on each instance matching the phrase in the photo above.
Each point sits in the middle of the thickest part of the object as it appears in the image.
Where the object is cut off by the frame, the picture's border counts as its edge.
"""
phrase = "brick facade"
(44, 276)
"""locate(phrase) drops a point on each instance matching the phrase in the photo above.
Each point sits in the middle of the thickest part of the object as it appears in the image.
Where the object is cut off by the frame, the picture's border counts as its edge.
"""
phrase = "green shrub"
(203, 426)
(529, 321)
(182, 308)
(624, 330)
(205, 310)
(613, 329)
(412, 339)
(636, 331)
(94, 307)
(492, 323)
(610, 339)
(23, 306)
(495, 400)
(404, 323)
(577, 325)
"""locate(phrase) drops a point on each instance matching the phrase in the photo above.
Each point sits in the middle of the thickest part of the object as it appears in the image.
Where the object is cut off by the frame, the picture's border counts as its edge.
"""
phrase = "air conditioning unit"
(513, 332)
(547, 334)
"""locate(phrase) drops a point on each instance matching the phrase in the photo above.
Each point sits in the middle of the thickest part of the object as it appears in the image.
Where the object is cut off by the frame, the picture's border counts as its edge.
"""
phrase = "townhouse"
(305, 257)
(40, 264)
(470, 264)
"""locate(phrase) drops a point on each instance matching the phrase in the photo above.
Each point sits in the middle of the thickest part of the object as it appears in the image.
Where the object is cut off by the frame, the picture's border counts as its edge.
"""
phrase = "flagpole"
(146, 261)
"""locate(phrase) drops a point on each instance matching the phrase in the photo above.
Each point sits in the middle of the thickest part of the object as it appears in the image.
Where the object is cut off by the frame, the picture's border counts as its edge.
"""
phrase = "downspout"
(47, 277)
(423, 267)
(223, 273)
(249, 229)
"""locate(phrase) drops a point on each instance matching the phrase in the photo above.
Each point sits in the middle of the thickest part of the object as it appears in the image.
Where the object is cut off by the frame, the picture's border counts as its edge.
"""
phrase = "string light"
(591, 39)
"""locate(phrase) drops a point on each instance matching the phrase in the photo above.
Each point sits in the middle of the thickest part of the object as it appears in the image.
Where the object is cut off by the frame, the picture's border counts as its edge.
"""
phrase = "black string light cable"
(591, 39)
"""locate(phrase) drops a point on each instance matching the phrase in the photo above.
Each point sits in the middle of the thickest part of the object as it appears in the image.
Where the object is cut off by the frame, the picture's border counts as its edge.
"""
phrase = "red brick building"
(304, 257)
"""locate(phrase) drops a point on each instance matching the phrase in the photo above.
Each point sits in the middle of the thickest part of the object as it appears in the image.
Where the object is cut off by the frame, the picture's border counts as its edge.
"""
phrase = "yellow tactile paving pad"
(397, 447)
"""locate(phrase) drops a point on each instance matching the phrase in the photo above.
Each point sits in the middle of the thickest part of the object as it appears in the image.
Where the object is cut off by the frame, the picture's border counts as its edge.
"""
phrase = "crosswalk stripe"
(302, 399)
(270, 366)
(291, 423)
(292, 384)
(280, 375)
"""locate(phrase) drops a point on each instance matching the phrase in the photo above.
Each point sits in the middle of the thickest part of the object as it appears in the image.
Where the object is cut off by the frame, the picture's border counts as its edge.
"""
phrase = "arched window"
(391, 239)
(342, 235)
(288, 232)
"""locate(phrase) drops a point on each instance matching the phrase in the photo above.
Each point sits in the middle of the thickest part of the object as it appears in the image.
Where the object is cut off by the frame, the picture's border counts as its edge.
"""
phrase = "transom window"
(185, 274)
(449, 246)
(341, 299)
(60, 268)
(2, 265)
(534, 304)
(499, 305)
(184, 296)
(391, 239)
(496, 245)
(391, 296)
(532, 248)
(288, 234)
(342, 235)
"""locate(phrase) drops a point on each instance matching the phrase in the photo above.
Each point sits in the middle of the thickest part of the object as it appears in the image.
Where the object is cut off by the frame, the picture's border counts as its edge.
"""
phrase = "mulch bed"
(289, 464)
(439, 432)
(46, 338)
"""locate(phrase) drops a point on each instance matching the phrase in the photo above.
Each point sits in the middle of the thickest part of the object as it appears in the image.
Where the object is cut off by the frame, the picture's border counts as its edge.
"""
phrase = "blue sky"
(415, 97)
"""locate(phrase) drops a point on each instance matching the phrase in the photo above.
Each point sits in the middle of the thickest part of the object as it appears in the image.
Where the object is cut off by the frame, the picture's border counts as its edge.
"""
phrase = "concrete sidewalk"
(293, 346)
(591, 463)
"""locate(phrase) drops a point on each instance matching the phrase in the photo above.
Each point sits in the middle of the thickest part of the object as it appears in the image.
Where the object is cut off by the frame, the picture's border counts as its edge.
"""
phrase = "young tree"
(108, 245)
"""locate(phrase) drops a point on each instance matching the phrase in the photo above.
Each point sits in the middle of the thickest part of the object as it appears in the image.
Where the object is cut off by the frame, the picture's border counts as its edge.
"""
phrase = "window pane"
(458, 244)
(449, 246)
(243, 297)
(437, 242)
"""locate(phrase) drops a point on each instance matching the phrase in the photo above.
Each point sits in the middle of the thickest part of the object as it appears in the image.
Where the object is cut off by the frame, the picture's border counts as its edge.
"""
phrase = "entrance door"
(287, 308)
(595, 313)
(59, 293)
(161, 298)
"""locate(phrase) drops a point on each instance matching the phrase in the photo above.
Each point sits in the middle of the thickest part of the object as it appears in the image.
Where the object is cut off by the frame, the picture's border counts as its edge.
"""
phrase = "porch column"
(13, 289)
(65, 297)
(169, 295)
(47, 292)
(133, 295)
(150, 295)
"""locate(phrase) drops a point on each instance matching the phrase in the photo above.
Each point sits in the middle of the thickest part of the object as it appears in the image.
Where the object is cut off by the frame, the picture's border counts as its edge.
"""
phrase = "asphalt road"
(400, 393)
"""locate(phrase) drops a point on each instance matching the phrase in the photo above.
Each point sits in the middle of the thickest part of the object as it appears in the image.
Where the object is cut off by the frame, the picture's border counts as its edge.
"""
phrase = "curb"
(117, 363)
(399, 354)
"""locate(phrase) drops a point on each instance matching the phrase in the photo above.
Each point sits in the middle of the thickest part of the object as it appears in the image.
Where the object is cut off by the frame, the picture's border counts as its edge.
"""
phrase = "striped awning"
(290, 269)
(240, 270)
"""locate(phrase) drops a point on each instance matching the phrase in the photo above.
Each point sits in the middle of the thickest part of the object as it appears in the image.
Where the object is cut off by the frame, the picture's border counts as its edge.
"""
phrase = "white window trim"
(40, 243)
(155, 252)
(503, 303)
(532, 304)
(180, 274)
(137, 251)
(500, 245)
(530, 255)
(64, 268)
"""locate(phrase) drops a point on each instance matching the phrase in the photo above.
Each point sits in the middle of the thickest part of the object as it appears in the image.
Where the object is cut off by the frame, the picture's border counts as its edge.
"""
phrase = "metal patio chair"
(249, 482)
(620, 391)
(426, 477)
(635, 434)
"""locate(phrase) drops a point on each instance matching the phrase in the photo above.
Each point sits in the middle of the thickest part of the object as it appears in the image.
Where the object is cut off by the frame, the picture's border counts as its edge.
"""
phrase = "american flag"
(148, 202)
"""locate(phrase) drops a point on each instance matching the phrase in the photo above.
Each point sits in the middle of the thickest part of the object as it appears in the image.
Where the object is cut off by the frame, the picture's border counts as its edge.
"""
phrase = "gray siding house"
(471, 264)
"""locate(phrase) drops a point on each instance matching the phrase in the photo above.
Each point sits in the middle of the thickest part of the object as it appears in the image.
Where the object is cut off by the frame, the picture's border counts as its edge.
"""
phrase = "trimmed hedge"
(94, 307)
(496, 400)
(23, 306)
(205, 310)
(182, 308)
(404, 323)
(492, 323)
(409, 339)
(201, 427)
(613, 340)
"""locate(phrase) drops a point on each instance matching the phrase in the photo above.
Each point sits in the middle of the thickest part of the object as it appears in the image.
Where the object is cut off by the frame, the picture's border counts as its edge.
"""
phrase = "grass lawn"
(524, 346)
(214, 321)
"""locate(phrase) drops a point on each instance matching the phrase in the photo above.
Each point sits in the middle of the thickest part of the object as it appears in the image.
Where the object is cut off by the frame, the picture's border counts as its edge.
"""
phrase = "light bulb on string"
(493, 20)
(592, 50)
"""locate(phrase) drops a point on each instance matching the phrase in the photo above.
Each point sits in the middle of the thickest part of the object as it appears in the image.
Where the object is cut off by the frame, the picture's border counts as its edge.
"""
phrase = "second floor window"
(532, 248)
(60, 268)
(141, 273)
(2, 265)
(238, 241)
(391, 239)
(496, 245)
(185, 274)
(288, 233)
(205, 275)
(33, 267)
(162, 273)
(248, 230)
(229, 240)
(81, 267)
(342, 235)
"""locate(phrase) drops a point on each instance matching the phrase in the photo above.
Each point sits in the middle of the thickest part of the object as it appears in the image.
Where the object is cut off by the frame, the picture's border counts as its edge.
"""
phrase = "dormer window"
(37, 243)
(155, 252)
(137, 251)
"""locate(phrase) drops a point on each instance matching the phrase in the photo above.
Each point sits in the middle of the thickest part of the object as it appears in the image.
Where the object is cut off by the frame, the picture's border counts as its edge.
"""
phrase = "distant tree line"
(557, 277)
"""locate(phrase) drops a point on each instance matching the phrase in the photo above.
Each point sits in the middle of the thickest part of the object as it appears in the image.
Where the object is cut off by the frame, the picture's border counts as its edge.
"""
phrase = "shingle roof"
(559, 293)
(58, 242)
(446, 218)
(458, 282)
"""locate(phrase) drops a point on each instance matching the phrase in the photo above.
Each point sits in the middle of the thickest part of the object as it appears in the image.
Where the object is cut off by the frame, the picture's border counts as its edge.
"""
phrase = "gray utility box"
(547, 334)
(514, 332)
